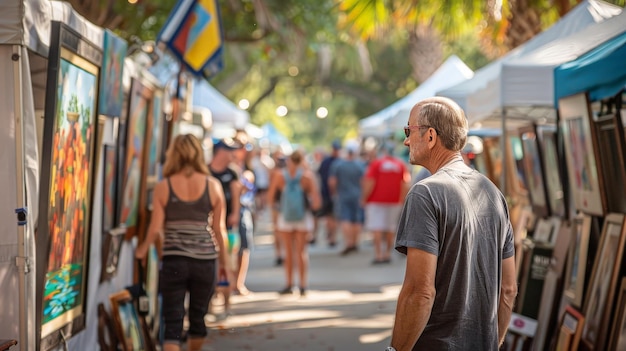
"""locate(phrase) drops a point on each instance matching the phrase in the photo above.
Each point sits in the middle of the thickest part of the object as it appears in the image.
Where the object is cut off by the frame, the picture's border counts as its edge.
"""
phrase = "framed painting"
(111, 88)
(111, 252)
(547, 311)
(611, 149)
(493, 155)
(561, 246)
(107, 336)
(574, 283)
(570, 330)
(109, 190)
(127, 322)
(552, 169)
(152, 290)
(66, 185)
(581, 154)
(156, 137)
(533, 170)
(617, 341)
(132, 136)
(603, 283)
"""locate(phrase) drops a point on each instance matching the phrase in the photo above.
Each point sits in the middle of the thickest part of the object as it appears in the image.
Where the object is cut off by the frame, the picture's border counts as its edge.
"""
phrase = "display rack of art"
(66, 185)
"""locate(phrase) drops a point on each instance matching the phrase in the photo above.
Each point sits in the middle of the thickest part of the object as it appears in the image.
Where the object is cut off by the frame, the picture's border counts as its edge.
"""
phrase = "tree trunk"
(524, 23)
(425, 52)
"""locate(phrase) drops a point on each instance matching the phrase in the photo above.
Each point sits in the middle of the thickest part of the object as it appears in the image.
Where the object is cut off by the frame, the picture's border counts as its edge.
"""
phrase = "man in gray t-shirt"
(460, 285)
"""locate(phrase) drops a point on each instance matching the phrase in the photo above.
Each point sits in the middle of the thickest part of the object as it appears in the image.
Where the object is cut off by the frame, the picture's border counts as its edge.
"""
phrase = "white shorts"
(304, 225)
(380, 217)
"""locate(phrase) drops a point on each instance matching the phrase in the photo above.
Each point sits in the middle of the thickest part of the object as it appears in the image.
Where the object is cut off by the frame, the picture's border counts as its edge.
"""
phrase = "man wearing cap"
(220, 168)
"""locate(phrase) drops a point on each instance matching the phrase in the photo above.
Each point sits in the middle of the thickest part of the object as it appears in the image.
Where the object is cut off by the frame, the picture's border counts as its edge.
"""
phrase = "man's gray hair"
(447, 118)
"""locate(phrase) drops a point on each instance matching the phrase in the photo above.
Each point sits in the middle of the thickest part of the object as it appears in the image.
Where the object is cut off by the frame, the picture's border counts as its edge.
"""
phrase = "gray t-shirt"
(461, 217)
(349, 174)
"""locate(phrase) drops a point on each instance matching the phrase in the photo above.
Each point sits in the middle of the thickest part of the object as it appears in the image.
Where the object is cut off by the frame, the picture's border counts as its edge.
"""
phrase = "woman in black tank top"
(189, 208)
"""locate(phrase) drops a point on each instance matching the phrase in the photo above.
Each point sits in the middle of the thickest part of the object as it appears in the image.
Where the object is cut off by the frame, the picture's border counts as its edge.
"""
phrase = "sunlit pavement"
(349, 304)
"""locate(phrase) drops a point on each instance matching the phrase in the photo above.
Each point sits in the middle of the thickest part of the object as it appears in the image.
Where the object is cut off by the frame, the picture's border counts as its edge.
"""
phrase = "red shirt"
(388, 175)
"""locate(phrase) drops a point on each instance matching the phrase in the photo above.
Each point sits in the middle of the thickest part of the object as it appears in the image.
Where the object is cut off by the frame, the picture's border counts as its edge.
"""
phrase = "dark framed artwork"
(533, 170)
(109, 190)
(493, 154)
(581, 154)
(112, 244)
(617, 340)
(132, 153)
(547, 311)
(111, 87)
(561, 247)
(603, 283)
(66, 186)
(127, 322)
(570, 330)
(611, 150)
(152, 290)
(552, 169)
(574, 283)
(107, 336)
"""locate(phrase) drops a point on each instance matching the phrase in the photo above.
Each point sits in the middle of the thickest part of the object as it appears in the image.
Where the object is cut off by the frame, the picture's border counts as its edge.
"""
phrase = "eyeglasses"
(407, 129)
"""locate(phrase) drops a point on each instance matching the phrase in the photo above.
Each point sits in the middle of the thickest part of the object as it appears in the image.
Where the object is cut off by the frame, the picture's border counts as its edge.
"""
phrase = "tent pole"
(22, 261)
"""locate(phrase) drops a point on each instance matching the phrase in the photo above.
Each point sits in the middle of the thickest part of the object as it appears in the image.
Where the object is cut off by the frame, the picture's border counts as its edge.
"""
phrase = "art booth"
(68, 146)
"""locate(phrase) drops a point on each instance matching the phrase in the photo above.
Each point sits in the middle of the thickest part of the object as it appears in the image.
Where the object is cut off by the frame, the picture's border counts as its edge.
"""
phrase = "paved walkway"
(349, 305)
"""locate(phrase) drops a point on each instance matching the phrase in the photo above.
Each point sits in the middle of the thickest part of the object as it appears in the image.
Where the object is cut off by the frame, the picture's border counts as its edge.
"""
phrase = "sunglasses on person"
(407, 129)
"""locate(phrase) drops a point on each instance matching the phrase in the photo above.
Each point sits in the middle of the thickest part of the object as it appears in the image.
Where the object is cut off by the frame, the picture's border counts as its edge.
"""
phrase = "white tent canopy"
(223, 110)
(394, 116)
(529, 80)
(481, 96)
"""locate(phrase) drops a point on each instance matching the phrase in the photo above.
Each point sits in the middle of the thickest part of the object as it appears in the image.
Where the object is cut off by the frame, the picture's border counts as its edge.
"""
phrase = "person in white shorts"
(385, 184)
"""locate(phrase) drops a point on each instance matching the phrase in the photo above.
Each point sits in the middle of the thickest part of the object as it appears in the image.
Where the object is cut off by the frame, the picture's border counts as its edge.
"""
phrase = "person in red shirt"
(385, 184)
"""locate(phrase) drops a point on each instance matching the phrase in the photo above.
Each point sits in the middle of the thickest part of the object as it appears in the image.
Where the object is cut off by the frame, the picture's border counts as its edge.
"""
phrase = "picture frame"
(132, 155)
(533, 169)
(152, 290)
(561, 247)
(127, 322)
(617, 340)
(107, 336)
(584, 175)
(109, 190)
(601, 291)
(611, 149)
(494, 159)
(544, 231)
(570, 329)
(547, 311)
(111, 97)
(574, 282)
(112, 244)
(552, 169)
(68, 164)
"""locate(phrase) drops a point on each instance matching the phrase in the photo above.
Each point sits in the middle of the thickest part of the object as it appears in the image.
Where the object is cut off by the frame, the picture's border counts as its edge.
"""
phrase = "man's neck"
(217, 166)
(442, 158)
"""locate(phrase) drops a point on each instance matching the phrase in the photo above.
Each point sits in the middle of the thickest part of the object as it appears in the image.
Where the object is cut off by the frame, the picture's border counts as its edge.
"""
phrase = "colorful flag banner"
(193, 33)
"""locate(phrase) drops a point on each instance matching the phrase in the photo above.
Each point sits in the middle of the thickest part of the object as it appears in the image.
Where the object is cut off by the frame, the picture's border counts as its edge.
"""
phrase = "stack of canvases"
(85, 118)
(572, 272)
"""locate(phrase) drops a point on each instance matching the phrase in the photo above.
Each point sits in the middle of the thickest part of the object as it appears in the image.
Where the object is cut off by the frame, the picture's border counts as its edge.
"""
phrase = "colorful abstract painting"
(111, 90)
(69, 193)
(134, 149)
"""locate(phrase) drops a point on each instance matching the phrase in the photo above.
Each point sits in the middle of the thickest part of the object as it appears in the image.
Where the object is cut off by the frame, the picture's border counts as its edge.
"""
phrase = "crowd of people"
(347, 188)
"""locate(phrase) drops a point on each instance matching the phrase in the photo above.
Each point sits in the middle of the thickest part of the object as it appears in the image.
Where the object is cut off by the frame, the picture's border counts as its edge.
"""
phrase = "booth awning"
(528, 80)
(601, 72)
(452, 71)
(486, 94)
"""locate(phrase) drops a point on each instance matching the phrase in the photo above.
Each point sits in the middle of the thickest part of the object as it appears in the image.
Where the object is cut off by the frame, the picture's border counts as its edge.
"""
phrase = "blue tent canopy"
(601, 72)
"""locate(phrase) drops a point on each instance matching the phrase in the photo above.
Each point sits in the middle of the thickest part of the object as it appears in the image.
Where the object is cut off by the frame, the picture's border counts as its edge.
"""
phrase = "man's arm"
(508, 292)
(416, 299)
